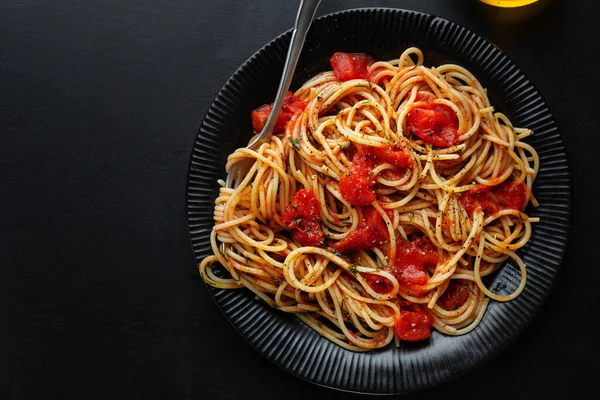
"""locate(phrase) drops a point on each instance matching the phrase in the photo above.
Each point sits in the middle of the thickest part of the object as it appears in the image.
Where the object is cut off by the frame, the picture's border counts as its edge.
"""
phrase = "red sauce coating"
(388, 154)
(479, 198)
(511, 194)
(371, 232)
(357, 186)
(373, 75)
(401, 302)
(292, 105)
(412, 258)
(436, 124)
(303, 217)
(378, 283)
(347, 66)
(491, 199)
(413, 325)
(456, 295)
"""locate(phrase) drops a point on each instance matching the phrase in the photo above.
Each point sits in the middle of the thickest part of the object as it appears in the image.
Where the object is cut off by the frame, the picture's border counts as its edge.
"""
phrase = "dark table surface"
(100, 103)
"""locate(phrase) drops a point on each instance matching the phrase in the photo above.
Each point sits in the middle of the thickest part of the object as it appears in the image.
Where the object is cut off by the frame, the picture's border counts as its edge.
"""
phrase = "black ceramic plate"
(385, 33)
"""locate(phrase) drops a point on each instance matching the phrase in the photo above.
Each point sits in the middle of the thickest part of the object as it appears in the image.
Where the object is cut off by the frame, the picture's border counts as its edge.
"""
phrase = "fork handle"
(304, 18)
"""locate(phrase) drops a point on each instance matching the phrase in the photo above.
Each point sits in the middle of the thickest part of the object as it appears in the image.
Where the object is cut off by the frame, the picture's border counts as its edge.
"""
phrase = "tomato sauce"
(412, 258)
(373, 76)
(388, 154)
(456, 295)
(511, 194)
(347, 66)
(492, 199)
(292, 105)
(413, 325)
(436, 124)
(303, 217)
(378, 283)
(358, 186)
(408, 267)
(371, 232)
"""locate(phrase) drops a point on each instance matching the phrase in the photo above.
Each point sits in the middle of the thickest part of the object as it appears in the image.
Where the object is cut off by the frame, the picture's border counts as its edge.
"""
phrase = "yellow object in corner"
(508, 3)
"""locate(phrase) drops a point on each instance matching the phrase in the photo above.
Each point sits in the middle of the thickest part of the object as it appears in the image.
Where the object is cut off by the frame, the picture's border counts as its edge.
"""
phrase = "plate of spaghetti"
(408, 217)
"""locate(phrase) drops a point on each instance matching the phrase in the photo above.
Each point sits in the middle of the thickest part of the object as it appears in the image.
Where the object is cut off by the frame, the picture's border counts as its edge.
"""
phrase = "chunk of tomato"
(292, 106)
(412, 258)
(479, 198)
(436, 124)
(371, 232)
(511, 194)
(456, 295)
(413, 325)
(303, 217)
(347, 66)
(491, 199)
(357, 186)
(378, 283)
(388, 154)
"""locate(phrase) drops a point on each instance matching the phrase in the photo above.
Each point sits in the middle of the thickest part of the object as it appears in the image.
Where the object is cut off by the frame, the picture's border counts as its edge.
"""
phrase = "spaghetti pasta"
(392, 191)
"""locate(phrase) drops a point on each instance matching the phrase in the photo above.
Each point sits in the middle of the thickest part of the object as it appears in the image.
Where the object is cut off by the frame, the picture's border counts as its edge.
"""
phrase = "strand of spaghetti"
(390, 229)
(357, 296)
(446, 269)
(484, 289)
(258, 156)
(351, 336)
(466, 313)
(226, 225)
(360, 138)
(439, 234)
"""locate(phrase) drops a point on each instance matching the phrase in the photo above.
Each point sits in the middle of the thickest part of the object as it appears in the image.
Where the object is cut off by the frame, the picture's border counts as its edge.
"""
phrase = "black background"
(100, 103)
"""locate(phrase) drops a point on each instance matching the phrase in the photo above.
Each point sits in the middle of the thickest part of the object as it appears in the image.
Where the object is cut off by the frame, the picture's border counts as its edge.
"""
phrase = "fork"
(304, 18)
